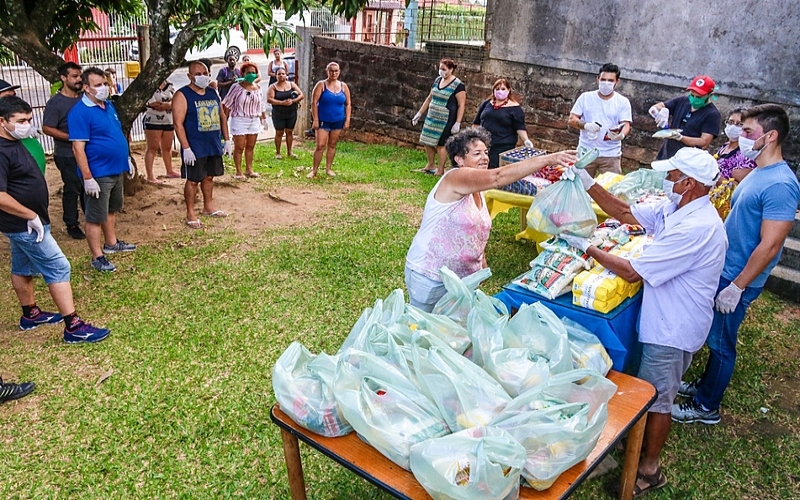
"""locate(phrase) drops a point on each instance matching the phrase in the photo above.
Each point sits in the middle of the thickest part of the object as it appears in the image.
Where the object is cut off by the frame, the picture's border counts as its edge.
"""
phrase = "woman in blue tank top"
(331, 110)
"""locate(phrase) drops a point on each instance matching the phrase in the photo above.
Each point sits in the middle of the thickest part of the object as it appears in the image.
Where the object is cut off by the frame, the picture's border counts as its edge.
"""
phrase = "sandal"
(216, 213)
(653, 482)
(278, 157)
(331, 173)
(292, 156)
(173, 175)
(240, 177)
(194, 224)
(430, 172)
(311, 175)
(155, 181)
(253, 175)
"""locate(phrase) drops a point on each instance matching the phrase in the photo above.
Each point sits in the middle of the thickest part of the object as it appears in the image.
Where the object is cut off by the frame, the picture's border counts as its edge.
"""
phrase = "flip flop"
(217, 213)
(240, 177)
(194, 224)
(311, 175)
(278, 157)
(253, 175)
(430, 172)
(651, 483)
(155, 181)
(331, 173)
(293, 156)
(173, 175)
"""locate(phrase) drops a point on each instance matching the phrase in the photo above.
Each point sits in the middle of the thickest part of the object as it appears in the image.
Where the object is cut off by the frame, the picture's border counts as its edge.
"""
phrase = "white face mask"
(21, 131)
(733, 132)
(442, 73)
(202, 81)
(101, 93)
(606, 88)
(669, 187)
(746, 147)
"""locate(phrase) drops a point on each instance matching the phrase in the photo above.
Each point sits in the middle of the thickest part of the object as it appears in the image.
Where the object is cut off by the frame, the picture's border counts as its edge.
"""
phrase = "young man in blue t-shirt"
(763, 208)
(101, 152)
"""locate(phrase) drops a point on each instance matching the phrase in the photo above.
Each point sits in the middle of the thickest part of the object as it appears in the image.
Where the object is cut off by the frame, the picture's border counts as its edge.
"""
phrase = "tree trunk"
(36, 54)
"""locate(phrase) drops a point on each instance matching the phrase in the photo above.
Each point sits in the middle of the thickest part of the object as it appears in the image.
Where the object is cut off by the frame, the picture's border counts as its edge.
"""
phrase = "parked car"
(235, 45)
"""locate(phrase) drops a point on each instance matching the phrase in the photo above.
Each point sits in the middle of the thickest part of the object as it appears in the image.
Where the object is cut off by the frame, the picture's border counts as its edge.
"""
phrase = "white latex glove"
(528, 143)
(675, 136)
(575, 241)
(131, 169)
(591, 127)
(91, 187)
(188, 157)
(661, 116)
(416, 118)
(227, 148)
(456, 128)
(615, 136)
(568, 174)
(585, 178)
(35, 224)
(264, 123)
(728, 299)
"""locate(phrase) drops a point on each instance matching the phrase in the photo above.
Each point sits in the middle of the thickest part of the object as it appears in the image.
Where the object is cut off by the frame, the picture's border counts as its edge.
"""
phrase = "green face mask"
(698, 102)
(250, 77)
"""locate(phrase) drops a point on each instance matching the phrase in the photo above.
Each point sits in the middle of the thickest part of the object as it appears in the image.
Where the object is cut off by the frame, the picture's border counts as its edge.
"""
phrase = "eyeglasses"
(731, 122)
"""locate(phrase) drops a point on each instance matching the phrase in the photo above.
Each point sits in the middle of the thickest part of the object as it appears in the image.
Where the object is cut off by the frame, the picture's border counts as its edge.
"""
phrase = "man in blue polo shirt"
(763, 208)
(693, 114)
(101, 151)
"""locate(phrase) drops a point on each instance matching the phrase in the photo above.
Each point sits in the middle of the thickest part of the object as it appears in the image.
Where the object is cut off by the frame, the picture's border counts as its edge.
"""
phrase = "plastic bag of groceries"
(558, 423)
(536, 327)
(638, 183)
(465, 394)
(563, 207)
(480, 463)
(384, 312)
(587, 350)
(303, 385)
(515, 368)
(383, 406)
(460, 296)
(447, 330)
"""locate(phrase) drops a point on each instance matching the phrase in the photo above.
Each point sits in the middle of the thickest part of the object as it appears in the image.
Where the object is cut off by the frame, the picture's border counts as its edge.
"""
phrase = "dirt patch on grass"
(788, 315)
(787, 390)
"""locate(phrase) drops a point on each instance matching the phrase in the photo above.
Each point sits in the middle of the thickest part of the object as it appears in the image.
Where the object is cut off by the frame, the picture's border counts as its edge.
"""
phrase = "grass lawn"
(199, 319)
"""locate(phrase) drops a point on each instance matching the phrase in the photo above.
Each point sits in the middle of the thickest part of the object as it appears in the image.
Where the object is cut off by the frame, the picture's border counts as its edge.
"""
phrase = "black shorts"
(157, 126)
(284, 122)
(208, 166)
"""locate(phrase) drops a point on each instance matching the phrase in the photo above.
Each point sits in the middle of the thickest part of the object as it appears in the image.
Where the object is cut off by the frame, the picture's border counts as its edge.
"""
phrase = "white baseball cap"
(692, 162)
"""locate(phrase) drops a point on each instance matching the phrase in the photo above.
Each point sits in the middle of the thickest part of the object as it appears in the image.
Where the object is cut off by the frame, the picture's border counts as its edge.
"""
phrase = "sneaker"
(689, 389)
(42, 318)
(82, 332)
(103, 265)
(75, 232)
(10, 392)
(690, 412)
(119, 246)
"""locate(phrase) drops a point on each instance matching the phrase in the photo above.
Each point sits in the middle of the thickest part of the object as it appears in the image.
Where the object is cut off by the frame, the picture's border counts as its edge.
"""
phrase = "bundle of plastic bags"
(384, 312)
(303, 385)
(464, 393)
(383, 406)
(563, 207)
(480, 463)
(637, 184)
(558, 423)
(457, 302)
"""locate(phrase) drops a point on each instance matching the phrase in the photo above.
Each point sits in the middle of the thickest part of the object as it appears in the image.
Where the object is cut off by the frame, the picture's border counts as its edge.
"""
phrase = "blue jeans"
(29, 258)
(722, 348)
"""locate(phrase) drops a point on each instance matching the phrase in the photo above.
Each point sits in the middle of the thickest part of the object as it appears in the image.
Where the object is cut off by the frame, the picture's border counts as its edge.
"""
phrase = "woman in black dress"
(504, 118)
(284, 96)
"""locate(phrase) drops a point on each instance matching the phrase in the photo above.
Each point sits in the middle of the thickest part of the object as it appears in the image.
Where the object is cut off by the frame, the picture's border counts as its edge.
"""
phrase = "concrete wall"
(749, 47)
(389, 84)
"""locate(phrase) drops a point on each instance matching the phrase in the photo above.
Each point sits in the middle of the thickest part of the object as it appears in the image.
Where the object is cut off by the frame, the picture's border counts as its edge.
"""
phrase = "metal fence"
(446, 21)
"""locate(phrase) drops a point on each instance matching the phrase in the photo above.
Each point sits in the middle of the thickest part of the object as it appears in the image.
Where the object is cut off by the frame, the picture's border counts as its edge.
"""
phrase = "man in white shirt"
(604, 118)
(680, 269)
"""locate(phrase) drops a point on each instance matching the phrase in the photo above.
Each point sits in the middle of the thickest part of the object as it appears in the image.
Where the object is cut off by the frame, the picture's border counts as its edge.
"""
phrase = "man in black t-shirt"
(54, 124)
(25, 222)
(693, 118)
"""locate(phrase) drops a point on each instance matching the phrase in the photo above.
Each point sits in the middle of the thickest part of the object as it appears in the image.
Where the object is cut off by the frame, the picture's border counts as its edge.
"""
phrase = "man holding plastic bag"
(680, 270)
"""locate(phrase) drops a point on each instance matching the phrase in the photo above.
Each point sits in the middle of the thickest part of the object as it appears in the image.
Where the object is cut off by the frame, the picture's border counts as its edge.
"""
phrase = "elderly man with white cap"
(680, 269)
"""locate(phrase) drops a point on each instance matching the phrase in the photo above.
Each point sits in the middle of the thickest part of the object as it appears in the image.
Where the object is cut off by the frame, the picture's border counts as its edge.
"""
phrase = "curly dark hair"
(458, 145)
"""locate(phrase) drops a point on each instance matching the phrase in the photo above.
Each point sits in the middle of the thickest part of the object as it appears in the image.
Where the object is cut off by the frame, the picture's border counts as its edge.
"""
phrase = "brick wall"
(389, 84)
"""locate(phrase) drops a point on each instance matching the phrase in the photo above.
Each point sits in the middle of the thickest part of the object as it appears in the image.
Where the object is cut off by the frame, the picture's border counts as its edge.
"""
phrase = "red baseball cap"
(702, 84)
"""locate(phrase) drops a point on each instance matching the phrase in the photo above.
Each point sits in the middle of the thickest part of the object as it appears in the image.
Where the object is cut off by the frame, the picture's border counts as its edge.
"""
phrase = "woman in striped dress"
(445, 110)
(244, 104)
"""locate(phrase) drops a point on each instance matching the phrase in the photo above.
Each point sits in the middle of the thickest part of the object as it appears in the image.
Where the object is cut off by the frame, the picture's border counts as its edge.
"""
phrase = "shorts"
(110, 200)
(423, 292)
(245, 125)
(284, 122)
(663, 367)
(158, 126)
(330, 125)
(29, 258)
(208, 166)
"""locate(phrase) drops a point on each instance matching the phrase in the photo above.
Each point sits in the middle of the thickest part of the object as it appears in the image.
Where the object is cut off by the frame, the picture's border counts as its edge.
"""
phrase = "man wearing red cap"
(693, 118)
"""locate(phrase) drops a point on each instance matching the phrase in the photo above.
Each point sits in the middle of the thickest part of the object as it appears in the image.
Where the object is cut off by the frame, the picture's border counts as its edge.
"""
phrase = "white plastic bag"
(460, 296)
(480, 463)
(536, 327)
(587, 350)
(383, 406)
(384, 312)
(447, 330)
(563, 207)
(303, 385)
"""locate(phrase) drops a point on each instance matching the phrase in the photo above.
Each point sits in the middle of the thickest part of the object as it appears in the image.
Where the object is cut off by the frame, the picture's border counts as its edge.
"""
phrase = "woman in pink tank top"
(455, 224)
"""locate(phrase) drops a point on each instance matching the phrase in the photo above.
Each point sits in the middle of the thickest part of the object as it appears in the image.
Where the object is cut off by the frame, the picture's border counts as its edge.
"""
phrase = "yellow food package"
(603, 286)
(608, 179)
(601, 306)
